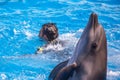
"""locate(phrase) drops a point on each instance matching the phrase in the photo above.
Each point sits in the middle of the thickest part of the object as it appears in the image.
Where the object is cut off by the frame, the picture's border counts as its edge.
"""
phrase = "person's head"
(49, 32)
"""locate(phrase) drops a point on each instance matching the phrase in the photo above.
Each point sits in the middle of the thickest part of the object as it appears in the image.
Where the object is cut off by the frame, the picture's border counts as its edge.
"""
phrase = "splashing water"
(21, 20)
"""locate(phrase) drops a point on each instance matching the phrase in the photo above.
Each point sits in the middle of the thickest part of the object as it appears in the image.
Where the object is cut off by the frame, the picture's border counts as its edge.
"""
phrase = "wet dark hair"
(50, 31)
(49, 24)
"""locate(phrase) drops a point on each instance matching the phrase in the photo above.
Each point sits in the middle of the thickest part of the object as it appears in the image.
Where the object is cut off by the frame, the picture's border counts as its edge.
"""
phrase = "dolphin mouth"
(93, 20)
(92, 24)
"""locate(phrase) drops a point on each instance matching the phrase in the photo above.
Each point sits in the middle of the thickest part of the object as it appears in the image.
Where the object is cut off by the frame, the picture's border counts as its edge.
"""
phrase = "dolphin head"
(92, 44)
(95, 35)
(91, 51)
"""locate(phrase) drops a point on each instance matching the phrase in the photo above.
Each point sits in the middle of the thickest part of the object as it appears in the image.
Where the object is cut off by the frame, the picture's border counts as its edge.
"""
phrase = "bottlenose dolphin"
(89, 60)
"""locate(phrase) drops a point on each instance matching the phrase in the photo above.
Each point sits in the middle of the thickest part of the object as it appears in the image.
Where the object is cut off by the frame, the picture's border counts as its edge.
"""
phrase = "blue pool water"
(21, 20)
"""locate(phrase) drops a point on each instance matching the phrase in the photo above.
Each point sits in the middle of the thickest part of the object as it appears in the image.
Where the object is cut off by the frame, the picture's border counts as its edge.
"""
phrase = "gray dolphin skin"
(89, 60)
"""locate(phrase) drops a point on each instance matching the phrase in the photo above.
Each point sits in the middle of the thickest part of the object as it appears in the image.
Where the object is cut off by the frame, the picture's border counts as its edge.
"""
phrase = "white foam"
(80, 30)
(57, 47)
(113, 73)
(40, 77)
(70, 39)
(27, 26)
(24, 22)
(15, 31)
(66, 36)
(3, 76)
(29, 34)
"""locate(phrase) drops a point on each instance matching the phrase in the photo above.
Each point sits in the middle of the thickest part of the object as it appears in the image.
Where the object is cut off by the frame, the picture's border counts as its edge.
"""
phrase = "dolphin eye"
(94, 45)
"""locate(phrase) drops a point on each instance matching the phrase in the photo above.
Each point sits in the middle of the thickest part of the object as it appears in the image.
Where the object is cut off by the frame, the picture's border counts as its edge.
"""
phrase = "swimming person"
(49, 32)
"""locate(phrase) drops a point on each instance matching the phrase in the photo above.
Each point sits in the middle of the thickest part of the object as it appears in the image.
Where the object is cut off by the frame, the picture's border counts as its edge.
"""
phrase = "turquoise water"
(21, 20)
